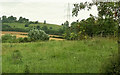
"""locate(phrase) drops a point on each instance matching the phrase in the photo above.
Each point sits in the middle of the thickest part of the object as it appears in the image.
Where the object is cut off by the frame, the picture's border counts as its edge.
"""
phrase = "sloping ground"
(87, 56)
(22, 25)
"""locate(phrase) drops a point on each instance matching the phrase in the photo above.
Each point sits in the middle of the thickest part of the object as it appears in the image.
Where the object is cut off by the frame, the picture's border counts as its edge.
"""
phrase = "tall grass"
(85, 56)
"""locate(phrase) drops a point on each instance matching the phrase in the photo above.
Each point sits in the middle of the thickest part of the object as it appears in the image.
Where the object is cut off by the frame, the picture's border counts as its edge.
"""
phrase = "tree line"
(106, 24)
(12, 19)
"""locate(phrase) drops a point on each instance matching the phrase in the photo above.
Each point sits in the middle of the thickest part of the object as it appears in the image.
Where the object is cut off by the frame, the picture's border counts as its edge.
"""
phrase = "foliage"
(104, 25)
(38, 27)
(66, 25)
(105, 9)
(73, 36)
(76, 31)
(23, 40)
(8, 38)
(26, 25)
(82, 35)
(67, 34)
(50, 28)
(9, 19)
(12, 19)
(15, 29)
(36, 22)
(23, 20)
(5, 26)
(38, 35)
(44, 21)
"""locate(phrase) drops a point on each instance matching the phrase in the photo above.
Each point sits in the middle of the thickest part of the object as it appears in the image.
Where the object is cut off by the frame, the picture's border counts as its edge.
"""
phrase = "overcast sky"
(53, 11)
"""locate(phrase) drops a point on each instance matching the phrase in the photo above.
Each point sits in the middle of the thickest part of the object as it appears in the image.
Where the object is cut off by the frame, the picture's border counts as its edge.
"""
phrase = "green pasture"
(86, 56)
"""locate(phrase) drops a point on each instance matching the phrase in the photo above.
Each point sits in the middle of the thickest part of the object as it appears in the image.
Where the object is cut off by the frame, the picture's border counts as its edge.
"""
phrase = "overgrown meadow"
(87, 56)
(86, 46)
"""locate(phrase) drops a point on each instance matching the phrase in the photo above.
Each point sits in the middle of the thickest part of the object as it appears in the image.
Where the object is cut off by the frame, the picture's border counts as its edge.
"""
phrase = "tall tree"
(12, 19)
(106, 15)
(4, 19)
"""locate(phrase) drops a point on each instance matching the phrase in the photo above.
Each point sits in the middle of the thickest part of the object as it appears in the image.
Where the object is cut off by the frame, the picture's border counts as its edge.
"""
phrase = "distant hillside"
(24, 27)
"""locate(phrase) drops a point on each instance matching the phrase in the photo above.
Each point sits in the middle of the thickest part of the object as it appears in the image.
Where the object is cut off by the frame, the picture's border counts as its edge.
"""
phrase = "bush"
(7, 38)
(73, 36)
(81, 35)
(26, 25)
(20, 40)
(36, 34)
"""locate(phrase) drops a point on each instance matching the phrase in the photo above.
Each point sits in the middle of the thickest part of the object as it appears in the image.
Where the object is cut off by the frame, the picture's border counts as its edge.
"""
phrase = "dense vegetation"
(24, 25)
(93, 54)
(87, 56)
(33, 36)
(7, 38)
(36, 34)
(106, 24)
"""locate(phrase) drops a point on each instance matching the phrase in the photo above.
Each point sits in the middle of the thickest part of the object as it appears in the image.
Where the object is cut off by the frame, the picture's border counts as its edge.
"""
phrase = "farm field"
(24, 34)
(17, 34)
(86, 56)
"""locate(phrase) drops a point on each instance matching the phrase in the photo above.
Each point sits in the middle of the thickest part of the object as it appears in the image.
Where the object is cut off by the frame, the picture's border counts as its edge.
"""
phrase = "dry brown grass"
(56, 39)
(23, 34)
(17, 34)
(12, 32)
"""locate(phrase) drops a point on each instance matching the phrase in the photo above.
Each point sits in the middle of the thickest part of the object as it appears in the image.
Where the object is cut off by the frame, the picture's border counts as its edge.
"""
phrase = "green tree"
(23, 20)
(38, 27)
(44, 21)
(36, 34)
(50, 28)
(106, 21)
(4, 19)
(36, 22)
(12, 19)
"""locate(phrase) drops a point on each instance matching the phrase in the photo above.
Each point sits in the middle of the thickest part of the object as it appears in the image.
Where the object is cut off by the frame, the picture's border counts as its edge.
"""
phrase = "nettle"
(36, 34)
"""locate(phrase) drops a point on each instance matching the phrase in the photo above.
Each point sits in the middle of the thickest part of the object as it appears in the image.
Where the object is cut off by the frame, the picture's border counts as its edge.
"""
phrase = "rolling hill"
(24, 27)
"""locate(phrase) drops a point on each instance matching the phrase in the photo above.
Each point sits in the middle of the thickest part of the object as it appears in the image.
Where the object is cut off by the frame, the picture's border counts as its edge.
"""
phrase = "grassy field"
(54, 27)
(22, 25)
(85, 56)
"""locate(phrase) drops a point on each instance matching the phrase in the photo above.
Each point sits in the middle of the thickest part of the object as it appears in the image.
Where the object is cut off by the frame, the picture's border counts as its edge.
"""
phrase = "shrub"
(50, 28)
(73, 36)
(26, 39)
(19, 39)
(26, 25)
(81, 35)
(7, 38)
(36, 34)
